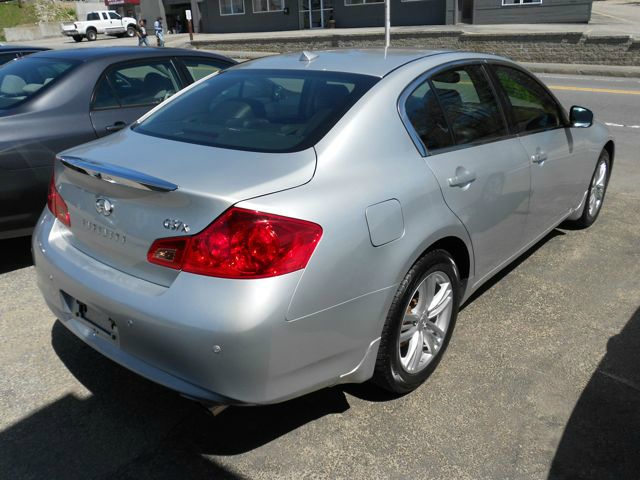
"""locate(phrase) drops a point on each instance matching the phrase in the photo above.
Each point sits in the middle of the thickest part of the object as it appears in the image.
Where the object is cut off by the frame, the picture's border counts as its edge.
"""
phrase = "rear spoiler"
(117, 175)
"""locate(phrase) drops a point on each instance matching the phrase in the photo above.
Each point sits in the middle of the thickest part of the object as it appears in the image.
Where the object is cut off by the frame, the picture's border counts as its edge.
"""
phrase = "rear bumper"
(171, 335)
(71, 33)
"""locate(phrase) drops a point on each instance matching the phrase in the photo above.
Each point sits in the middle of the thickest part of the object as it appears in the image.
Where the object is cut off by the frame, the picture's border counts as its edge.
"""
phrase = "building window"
(231, 7)
(263, 6)
(350, 3)
(508, 3)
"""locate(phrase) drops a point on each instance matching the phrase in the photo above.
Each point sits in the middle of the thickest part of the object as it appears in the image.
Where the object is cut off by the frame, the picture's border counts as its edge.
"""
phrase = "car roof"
(377, 62)
(20, 48)
(121, 53)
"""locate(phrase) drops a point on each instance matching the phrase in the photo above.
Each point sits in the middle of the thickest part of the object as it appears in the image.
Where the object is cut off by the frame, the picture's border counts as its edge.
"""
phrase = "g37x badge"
(176, 225)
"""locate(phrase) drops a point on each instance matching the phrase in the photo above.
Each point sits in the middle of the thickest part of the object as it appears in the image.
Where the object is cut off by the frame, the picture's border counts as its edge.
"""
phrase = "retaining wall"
(570, 47)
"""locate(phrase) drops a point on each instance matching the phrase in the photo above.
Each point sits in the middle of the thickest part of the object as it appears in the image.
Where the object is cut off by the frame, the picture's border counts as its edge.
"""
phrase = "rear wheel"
(419, 324)
(77, 38)
(597, 189)
(92, 35)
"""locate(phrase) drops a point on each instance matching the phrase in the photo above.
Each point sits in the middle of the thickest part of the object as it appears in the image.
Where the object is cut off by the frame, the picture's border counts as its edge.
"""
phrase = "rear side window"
(469, 104)
(138, 84)
(532, 106)
(259, 110)
(92, 16)
(426, 116)
(201, 67)
(25, 77)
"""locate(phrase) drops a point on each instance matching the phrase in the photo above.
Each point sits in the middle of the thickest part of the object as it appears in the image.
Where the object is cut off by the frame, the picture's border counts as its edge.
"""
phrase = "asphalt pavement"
(541, 379)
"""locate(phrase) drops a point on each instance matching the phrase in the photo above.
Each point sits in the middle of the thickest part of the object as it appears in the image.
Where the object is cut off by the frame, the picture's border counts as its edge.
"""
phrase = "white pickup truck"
(103, 21)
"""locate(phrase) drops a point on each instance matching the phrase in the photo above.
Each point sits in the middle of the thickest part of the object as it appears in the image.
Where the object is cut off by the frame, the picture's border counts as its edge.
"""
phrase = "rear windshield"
(259, 110)
(23, 78)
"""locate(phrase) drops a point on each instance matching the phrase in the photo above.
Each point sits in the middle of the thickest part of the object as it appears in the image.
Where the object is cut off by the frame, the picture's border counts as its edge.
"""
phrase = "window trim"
(426, 76)
(244, 9)
(564, 123)
(114, 66)
(253, 8)
(377, 2)
(520, 4)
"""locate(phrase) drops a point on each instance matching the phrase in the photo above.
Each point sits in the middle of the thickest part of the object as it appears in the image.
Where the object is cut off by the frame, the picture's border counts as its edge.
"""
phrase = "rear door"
(540, 123)
(482, 170)
(125, 92)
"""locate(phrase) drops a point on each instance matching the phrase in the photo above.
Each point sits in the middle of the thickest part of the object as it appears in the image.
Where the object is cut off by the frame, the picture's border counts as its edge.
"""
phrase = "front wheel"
(77, 38)
(419, 324)
(597, 189)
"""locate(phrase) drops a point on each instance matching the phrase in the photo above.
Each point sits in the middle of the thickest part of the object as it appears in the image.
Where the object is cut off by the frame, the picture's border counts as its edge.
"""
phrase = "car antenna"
(308, 56)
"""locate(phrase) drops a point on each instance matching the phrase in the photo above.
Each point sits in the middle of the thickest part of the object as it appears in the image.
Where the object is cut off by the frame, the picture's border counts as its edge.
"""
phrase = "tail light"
(241, 244)
(56, 204)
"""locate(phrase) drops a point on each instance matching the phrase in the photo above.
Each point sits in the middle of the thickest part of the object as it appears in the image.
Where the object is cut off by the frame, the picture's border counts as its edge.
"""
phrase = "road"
(541, 379)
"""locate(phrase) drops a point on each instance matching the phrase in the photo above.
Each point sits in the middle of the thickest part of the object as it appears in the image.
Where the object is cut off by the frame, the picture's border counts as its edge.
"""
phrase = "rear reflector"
(56, 204)
(241, 244)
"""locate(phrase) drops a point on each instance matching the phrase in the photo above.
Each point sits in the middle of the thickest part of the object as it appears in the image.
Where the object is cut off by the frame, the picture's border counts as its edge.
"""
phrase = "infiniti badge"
(104, 206)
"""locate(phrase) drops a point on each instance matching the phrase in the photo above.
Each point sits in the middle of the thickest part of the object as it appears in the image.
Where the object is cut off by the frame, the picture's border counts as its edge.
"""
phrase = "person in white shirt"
(157, 27)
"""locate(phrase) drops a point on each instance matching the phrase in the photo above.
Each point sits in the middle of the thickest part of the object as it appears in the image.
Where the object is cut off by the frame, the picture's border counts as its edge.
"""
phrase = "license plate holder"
(99, 322)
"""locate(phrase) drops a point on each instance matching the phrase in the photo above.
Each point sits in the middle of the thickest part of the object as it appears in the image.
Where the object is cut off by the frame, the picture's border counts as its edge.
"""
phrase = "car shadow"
(17, 254)
(128, 427)
(602, 437)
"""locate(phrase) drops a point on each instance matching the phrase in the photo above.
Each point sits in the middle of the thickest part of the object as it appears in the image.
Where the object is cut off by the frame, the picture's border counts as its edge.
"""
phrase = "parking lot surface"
(541, 380)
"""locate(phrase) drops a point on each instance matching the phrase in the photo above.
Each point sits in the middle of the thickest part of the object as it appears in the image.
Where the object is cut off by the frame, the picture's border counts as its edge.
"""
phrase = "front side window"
(114, 16)
(268, 6)
(469, 104)
(259, 110)
(426, 116)
(23, 78)
(138, 84)
(532, 106)
(231, 7)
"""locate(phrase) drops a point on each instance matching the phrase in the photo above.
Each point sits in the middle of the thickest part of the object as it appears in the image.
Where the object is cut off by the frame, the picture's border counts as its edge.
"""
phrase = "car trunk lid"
(127, 190)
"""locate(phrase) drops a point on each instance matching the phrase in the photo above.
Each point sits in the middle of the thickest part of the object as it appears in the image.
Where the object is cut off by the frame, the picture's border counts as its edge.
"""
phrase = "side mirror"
(580, 117)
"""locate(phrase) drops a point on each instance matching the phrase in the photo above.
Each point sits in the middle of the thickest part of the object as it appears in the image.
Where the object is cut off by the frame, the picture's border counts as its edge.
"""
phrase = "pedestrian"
(157, 27)
(141, 31)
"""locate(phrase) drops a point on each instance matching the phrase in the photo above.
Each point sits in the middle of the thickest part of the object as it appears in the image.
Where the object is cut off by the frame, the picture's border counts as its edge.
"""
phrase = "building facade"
(232, 16)
(224, 16)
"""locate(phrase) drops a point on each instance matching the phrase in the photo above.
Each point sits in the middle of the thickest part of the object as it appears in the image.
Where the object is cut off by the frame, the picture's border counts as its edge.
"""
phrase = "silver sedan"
(307, 220)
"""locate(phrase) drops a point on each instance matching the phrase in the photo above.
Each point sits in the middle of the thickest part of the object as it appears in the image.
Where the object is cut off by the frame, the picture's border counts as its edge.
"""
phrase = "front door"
(483, 173)
(315, 13)
(539, 121)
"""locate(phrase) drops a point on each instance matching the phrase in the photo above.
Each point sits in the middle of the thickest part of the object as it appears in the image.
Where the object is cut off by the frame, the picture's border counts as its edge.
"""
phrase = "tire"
(131, 31)
(597, 190)
(92, 35)
(396, 368)
(78, 38)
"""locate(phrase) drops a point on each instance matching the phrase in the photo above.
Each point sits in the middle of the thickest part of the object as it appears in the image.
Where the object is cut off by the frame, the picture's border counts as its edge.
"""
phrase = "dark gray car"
(53, 100)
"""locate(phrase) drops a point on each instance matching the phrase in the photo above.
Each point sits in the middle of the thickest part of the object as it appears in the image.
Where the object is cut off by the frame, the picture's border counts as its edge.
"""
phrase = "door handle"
(462, 178)
(539, 157)
(115, 127)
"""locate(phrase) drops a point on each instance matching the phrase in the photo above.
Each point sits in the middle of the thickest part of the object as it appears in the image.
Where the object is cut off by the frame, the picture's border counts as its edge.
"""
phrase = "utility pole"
(387, 24)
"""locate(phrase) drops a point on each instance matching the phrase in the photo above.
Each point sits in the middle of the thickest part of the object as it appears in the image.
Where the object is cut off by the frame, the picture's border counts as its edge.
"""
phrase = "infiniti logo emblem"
(104, 206)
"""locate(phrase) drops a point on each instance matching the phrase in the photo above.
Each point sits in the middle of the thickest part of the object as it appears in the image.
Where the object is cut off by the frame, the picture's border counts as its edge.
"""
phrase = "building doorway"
(315, 13)
(465, 11)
